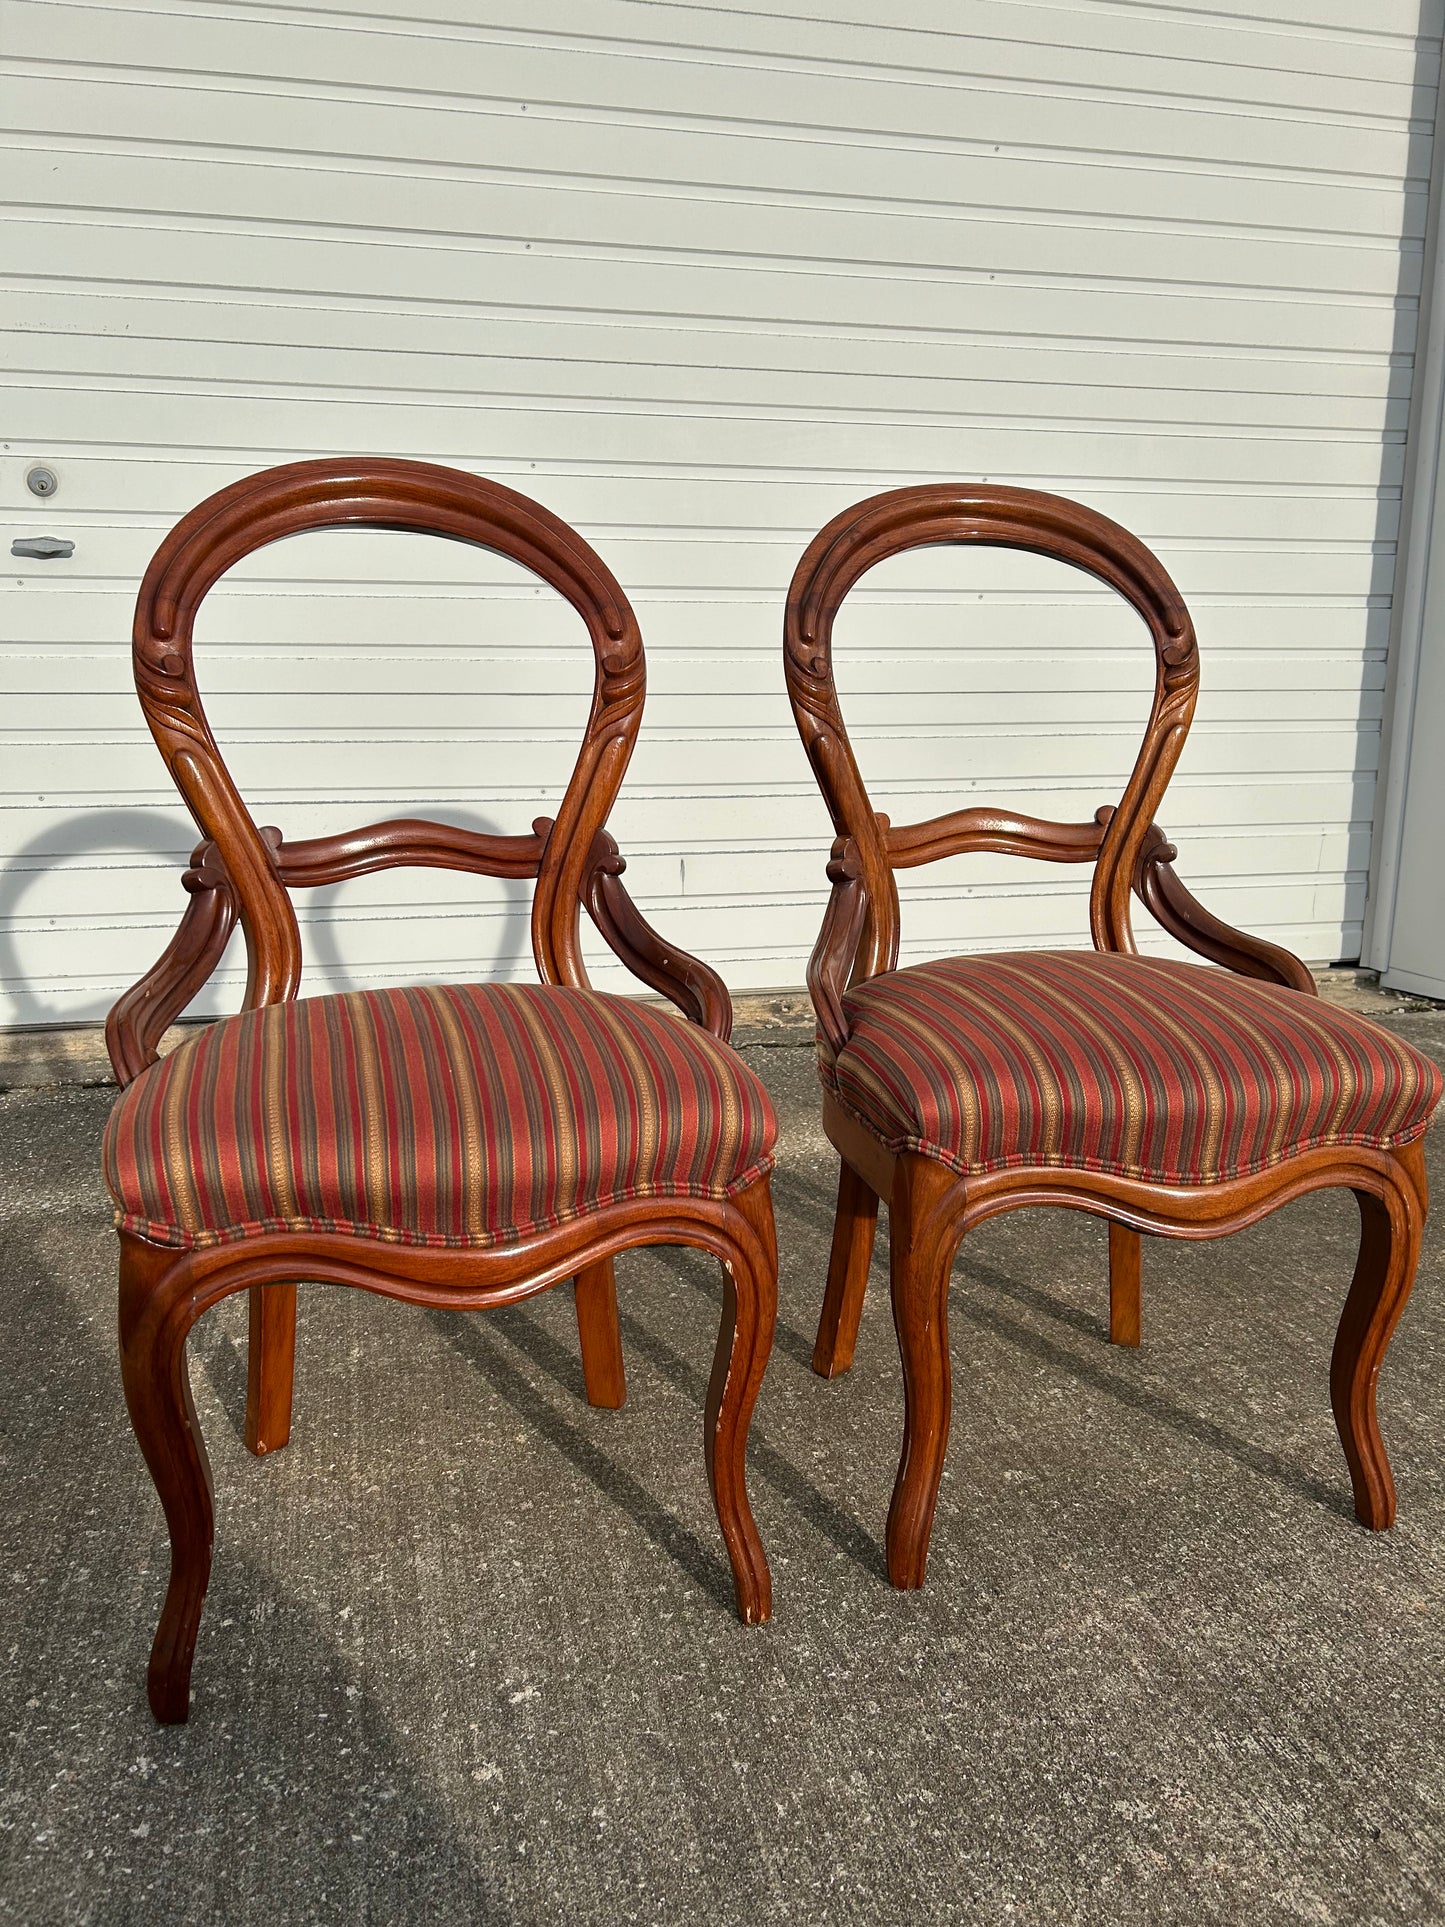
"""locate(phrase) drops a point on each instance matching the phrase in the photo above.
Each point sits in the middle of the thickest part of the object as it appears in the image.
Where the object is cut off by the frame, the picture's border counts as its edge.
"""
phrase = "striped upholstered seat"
(446, 1116)
(1130, 1065)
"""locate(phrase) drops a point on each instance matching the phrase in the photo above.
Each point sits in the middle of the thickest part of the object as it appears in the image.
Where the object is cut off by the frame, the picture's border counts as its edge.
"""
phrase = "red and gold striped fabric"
(450, 1115)
(1130, 1065)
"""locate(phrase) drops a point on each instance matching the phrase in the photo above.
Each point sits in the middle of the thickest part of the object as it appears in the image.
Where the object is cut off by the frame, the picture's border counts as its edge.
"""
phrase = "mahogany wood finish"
(696, 989)
(163, 1293)
(932, 1209)
(603, 1372)
(271, 1349)
(240, 873)
(855, 1227)
(1126, 1265)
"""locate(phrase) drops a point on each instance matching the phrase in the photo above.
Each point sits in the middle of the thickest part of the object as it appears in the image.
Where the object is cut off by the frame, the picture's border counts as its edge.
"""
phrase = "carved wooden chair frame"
(931, 1208)
(244, 874)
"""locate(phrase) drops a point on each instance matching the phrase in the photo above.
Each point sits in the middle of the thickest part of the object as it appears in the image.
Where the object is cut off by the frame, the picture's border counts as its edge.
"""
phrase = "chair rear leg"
(600, 1335)
(1126, 1264)
(922, 1247)
(854, 1229)
(744, 1342)
(154, 1321)
(270, 1367)
(1390, 1232)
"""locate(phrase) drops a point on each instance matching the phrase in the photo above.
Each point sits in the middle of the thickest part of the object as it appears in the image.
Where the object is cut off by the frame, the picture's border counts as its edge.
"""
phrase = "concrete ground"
(469, 1654)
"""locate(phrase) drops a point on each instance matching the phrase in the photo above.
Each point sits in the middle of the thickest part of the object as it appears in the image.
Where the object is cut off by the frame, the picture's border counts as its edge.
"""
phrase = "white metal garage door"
(697, 278)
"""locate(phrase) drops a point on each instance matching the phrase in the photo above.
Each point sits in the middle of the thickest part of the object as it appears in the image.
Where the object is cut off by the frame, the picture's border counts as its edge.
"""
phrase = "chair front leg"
(744, 1342)
(600, 1335)
(270, 1367)
(854, 1229)
(155, 1317)
(921, 1219)
(1390, 1233)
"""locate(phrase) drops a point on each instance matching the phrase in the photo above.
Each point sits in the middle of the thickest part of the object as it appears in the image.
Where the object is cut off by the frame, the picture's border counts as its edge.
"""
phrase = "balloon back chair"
(449, 1146)
(1165, 1097)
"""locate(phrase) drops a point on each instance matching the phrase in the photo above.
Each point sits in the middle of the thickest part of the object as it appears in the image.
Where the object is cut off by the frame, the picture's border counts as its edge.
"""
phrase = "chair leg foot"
(154, 1320)
(1126, 1264)
(854, 1229)
(270, 1367)
(600, 1336)
(922, 1250)
(1390, 1231)
(745, 1340)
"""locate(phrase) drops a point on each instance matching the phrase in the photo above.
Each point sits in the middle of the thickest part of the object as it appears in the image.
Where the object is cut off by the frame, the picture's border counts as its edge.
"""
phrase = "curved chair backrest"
(870, 847)
(382, 494)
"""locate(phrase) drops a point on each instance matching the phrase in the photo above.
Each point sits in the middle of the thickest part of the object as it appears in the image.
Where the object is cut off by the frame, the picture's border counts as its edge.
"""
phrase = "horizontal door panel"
(1103, 393)
(606, 76)
(318, 205)
(484, 273)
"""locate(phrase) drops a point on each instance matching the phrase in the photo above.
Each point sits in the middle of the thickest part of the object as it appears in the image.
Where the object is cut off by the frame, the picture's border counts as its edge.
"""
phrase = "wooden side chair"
(456, 1146)
(1165, 1097)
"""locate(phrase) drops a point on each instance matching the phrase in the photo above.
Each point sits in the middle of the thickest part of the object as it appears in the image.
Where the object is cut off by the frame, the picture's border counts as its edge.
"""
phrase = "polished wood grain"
(933, 1209)
(744, 1342)
(696, 989)
(271, 1342)
(1126, 1266)
(241, 873)
(163, 1293)
(855, 1226)
(1392, 1219)
(141, 1017)
(930, 1208)
(920, 1260)
(603, 1371)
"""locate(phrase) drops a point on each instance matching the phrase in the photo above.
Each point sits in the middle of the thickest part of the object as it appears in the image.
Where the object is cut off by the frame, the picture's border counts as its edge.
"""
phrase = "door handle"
(43, 548)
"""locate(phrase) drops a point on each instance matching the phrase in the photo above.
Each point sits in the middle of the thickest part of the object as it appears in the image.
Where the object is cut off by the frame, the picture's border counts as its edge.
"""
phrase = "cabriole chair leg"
(745, 1338)
(1390, 1232)
(922, 1243)
(155, 1318)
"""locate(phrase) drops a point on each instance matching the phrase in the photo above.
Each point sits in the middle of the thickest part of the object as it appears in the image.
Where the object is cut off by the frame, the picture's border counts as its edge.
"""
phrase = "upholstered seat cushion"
(450, 1116)
(1148, 1069)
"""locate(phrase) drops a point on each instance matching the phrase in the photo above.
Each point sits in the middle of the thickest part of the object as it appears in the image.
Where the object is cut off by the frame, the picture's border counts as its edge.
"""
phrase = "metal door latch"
(44, 548)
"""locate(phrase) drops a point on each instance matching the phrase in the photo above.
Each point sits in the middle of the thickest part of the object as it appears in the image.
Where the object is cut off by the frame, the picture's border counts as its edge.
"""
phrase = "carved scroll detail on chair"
(391, 495)
(961, 513)
(696, 989)
(1175, 909)
(836, 951)
(140, 1019)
